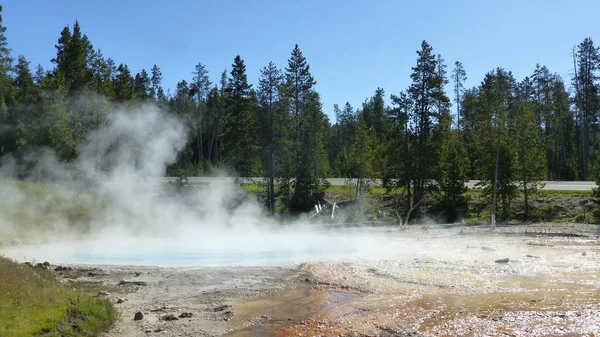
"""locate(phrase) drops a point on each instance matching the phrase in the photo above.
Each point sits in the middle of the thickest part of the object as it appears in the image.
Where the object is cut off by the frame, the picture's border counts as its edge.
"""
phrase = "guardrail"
(547, 185)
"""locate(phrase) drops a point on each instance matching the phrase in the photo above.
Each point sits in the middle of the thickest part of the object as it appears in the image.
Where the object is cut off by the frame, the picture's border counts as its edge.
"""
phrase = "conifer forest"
(425, 141)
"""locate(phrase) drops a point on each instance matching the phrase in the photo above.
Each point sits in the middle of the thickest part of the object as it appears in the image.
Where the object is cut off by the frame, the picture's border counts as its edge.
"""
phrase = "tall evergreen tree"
(492, 140)
(7, 138)
(273, 128)
(587, 100)
(453, 170)
(240, 125)
(142, 86)
(74, 57)
(124, 84)
(308, 132)
(427, 100)
(459, 76)
(363, 157)
(156, 83)
(529, 145)
(200, 89)
(25, 115)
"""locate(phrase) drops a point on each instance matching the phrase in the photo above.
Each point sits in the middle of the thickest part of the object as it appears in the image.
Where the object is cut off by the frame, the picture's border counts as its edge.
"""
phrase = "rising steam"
(114, 181)
(107, 207)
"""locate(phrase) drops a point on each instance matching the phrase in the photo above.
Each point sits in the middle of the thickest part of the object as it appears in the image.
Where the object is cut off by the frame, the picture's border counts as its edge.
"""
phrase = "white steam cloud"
(107, 207)
(109, 203)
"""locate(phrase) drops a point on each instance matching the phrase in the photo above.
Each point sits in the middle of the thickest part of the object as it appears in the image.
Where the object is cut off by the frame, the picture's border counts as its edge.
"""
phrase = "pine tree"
(529, 146)
(103, 74)
(563, 125)
(142, 86)
(25, 115)
(495, 165)
(200, 89)
(363, 157)
(399, 168)
(124, 84)
(587, 100)
(240, 127)
(459, 76)
(7, 135)
(156, 82)
(73, 58)
(6, 68)
(427, 100)
(273, 128)
(453, 166)
(308, 133)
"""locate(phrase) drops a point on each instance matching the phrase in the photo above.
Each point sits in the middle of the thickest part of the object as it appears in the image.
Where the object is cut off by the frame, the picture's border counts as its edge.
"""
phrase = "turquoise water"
(175, 258)
(213, 250)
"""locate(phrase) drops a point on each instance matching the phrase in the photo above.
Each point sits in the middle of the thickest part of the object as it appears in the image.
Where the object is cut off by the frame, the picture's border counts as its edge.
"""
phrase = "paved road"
(548, 185)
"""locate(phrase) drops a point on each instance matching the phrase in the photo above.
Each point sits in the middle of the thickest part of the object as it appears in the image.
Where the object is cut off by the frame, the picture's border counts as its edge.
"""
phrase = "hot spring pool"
(264, 248)
(210, 250)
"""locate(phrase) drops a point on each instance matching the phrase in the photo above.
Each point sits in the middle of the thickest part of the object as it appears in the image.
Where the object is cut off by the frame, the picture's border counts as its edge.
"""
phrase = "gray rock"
(221, 308)
(583, 254)
(502, 260)
(103, 293)
(59, 268)
(138, 316)
(40, 266)
(169, 317)
(120, 300)
(137, 283)
(46, 263)
(186, 315)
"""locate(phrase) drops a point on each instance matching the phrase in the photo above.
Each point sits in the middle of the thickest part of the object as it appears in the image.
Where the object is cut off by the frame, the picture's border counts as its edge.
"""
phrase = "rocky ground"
(526, 280)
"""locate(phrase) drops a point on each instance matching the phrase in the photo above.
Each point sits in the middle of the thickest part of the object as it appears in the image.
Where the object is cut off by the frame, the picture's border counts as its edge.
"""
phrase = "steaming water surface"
(234, 249)
(268, 247)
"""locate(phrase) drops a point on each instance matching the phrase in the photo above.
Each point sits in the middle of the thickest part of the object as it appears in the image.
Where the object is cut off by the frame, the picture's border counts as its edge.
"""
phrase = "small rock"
(502, 260)
(58, 268)
(120, 300)
(148, 330)
(40, 266)
(533, 256)
(583, 254)
(28, 264)
(227, 315)
(159, 329)
(103, 293)
(163, 308)
(169, 317)
(138, 316)
(46, 263)
(186, 315)
(221, 308)
(489, 249)
(137, 283)
(136, 274)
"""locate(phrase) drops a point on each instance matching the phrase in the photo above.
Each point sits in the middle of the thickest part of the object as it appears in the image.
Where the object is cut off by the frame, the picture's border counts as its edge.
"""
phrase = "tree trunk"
(495, 189)
(526, 199)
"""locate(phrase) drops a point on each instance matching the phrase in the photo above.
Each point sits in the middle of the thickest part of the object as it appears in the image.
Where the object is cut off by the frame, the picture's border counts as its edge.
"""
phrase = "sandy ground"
(457, 283)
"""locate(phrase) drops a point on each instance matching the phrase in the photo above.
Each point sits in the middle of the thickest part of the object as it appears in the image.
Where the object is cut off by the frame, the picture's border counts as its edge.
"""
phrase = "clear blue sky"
(353, 47)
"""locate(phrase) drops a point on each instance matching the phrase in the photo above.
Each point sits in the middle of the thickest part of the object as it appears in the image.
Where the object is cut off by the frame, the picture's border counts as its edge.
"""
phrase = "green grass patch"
(32, 303)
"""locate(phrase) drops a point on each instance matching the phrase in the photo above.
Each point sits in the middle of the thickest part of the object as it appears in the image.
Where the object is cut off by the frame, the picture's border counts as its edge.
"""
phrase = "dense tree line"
(423, 142)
